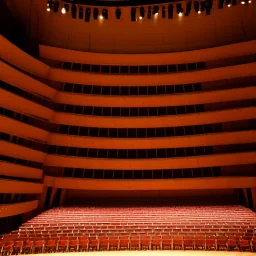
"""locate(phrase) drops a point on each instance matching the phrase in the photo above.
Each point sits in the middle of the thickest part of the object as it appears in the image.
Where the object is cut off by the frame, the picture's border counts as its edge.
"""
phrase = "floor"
(155, 253)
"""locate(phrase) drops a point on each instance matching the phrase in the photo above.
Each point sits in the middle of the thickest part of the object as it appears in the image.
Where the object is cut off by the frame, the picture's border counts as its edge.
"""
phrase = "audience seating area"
(215, 227)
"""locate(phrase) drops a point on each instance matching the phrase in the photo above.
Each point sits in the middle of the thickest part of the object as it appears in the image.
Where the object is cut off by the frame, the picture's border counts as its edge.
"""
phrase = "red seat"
(178, 242)
(83, 244)
(199, 242)
(156, 243)
(145, 242)
(113, 243)
(188, 242)
(222, 243)
(63, 245)
(73, 245)
(50, 246)
(124, 243)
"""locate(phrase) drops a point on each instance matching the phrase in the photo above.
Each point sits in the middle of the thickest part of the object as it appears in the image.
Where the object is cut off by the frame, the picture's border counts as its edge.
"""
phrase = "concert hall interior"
(128, 127)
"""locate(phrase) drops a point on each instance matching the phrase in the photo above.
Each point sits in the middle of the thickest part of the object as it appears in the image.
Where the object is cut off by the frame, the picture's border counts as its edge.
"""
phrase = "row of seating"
(64, 244)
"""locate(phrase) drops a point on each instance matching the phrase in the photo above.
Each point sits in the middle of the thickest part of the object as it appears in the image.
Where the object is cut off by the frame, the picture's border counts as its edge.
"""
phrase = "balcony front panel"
(21, 152)
(152, 164)
(18, 104)
(150, 185)
(206, 75)
(7, 210)
(20, 129)
(16, 78)
(157, 101)
(15, 170)
(224, 138)
(20, 187)
(222, 52)
(154, 122)
(14, 55)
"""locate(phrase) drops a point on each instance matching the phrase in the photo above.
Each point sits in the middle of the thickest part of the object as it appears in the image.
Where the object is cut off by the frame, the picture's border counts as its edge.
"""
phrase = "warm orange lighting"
(229, 5)
(140, 18)
(101, 17)
(199, 12)
(243, 2)
(156, 13)
(48, 9)
(63, 10)
(249, 1)
(180, 14)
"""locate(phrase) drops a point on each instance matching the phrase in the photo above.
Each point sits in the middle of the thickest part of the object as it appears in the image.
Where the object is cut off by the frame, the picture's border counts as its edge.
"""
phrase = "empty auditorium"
(128, 127)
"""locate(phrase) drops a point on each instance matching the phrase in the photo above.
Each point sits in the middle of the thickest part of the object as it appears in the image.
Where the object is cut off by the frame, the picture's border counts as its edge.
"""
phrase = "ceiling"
(223, 26)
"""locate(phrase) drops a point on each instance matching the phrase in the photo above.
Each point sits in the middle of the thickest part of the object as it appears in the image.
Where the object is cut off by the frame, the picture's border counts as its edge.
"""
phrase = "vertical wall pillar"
(246, 197)
(53, 194)
(63, 196)
(42, 199)
(253, 190)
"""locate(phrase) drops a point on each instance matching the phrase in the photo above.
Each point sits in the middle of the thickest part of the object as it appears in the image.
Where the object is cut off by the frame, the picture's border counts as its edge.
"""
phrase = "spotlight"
(202, 6)
(105, 13)
(155, 10)
(243, 2)
(249, 1)
(81, 13)
(196, 6)
(50, 5)
(101, 17)
(73, 10)
(95, 13)
(133, 14)
(56, 6)
(221, 4)
(170, 11)
(87, 14)
(66, 6)
(118, 13)
(163, 12)
(179, 9)
(142, 12)
(228, 3)
(149, 12)
(140, 18)
(208, 7)
(188, 9)
(63, 10)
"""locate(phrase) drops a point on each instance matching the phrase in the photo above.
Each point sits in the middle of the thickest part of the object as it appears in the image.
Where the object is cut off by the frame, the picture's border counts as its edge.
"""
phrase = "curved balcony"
(152, 164)
(154, 122)
(222, 52)
(7, 210)
(145, 185)
(224, 138)
(157, 101)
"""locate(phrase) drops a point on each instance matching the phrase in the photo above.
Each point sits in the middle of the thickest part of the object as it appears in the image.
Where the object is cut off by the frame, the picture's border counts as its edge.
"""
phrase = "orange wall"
(158, 121)
(222, 52)
(225, 138)
(152, 164)
(159, 100)
(17, 151)
(19, 208)
(214, 74)
(171, 184)
(13, 127)
(20, 187)
(22, 105)
(15, 170)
